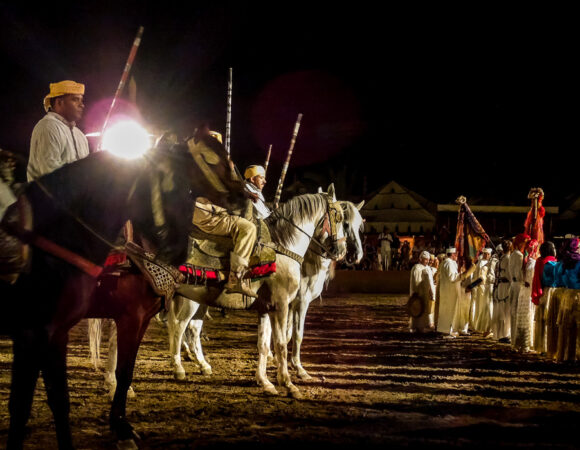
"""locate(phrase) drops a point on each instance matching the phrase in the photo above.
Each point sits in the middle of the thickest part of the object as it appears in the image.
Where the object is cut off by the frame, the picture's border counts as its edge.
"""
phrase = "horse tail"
(95, 331)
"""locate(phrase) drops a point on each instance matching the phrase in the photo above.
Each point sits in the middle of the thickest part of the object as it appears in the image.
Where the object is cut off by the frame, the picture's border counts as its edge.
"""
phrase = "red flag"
(470, 238)
(534, 225)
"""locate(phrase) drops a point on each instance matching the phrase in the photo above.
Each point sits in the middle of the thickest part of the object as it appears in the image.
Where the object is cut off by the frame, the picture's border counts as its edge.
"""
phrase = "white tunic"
(522, 332)
(54, 143)
(516, 281)
(501, 318)
(450, 287)
(482, 296)
(260, 208)
(422, 284)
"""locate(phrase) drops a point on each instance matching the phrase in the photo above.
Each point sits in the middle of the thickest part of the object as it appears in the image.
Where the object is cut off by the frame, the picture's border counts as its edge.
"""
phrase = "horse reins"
(329, 224)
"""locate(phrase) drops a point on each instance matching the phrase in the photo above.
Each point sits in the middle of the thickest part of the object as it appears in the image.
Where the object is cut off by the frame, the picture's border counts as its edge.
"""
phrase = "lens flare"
(126, 139)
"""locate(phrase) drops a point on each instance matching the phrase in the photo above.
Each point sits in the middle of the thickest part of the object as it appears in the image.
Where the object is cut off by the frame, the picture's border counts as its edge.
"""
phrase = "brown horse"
(82, 208)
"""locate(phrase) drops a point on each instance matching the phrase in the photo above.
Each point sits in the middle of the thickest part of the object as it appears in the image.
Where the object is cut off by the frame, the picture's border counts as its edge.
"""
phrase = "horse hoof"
(127, 444)
(131, 392)
(179, 375)
(294, 393)
(303, 375)
(270, 390)
(206, 371)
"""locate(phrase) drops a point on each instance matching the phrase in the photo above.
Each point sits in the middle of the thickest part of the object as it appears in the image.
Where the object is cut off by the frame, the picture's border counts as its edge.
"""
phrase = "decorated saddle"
(208, 258)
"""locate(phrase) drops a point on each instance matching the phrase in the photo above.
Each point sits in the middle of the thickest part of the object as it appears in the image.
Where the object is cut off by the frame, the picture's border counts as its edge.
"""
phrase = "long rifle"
(229, 112)
(287, 162)
(124, 78)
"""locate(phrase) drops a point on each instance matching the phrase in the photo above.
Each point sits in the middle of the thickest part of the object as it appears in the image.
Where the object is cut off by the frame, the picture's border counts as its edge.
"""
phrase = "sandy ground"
(375, 386)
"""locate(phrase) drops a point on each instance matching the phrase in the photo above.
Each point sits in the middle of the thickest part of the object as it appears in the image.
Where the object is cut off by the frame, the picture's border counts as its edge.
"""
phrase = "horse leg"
(180, 313)
(27, 352)
(279, 323)
(264, 334)
(111, 366)
(195, 326)
(55, 383)
(298, 319)
(130, 331)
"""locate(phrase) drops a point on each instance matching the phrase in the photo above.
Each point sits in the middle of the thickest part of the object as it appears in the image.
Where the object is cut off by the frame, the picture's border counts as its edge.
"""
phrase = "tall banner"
(534, 225)
(470, 238)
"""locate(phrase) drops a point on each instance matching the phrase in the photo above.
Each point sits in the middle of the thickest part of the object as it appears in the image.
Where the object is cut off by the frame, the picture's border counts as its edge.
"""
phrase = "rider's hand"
(254, 197)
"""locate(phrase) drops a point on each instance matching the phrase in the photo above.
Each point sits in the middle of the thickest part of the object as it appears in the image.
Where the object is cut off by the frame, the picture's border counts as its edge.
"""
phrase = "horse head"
(333, 226)
(353, 227)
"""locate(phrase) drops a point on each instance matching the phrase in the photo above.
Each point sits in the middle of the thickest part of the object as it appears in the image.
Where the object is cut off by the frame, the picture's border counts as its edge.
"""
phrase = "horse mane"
(302, 208)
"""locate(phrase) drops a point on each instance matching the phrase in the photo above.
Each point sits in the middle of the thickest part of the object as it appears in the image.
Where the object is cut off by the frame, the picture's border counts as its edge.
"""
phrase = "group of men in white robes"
(490, 297)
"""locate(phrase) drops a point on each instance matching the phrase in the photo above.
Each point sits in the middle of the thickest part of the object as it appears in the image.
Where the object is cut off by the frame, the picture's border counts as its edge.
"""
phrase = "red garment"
(534, 224)
(537, 288)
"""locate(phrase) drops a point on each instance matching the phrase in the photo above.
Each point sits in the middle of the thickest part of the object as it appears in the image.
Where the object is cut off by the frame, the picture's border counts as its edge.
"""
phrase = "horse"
(294, 225)
(185, 316)
(316, 271)
(78, 211)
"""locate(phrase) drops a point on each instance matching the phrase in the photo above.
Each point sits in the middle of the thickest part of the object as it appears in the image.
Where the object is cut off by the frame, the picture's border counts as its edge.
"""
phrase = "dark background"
(479, 101)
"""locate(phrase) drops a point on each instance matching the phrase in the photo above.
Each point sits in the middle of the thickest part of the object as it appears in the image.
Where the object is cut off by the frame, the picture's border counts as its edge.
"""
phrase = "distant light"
(127, 139)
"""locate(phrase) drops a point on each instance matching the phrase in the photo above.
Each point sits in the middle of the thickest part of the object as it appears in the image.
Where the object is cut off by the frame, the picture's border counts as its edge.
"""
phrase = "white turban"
(487, 250)
(451, 250)
(425, 254)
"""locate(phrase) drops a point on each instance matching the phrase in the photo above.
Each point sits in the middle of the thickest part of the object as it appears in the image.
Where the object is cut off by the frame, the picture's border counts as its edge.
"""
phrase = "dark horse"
(82, 207)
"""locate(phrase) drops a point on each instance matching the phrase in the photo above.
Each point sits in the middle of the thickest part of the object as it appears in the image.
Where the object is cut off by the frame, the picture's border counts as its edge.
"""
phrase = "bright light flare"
(126, 139)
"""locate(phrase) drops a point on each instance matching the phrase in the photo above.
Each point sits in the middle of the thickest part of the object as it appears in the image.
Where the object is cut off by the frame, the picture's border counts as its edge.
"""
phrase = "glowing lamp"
(126, 139)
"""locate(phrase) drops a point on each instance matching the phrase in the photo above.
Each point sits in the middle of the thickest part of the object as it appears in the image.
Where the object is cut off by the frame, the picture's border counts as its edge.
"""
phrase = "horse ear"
(360, 205)
(320, 191)
(331, 191)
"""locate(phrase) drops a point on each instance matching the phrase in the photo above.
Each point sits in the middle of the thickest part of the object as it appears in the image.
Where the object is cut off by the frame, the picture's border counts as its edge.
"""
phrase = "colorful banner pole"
(287, 162)
(124, 78)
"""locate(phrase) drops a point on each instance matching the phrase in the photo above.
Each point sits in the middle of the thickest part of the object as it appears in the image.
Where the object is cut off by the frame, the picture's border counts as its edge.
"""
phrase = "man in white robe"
(481, 294)
(422, 284)
(451, 292)
(501, 316)
(517, 276)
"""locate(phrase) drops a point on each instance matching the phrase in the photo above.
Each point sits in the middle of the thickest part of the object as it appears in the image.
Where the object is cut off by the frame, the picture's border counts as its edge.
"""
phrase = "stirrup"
(236, 285)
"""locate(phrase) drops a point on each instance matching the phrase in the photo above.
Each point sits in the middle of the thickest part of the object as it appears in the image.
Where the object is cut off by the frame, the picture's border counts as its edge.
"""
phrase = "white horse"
(293, 227)
(316, 272)
(297, 223)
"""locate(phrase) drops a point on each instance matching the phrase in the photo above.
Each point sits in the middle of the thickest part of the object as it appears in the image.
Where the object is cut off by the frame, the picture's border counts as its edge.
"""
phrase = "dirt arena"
(375, 386)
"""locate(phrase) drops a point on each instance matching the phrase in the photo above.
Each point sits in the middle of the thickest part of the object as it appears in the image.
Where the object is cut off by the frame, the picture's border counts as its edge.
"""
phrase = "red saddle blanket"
(196, 275)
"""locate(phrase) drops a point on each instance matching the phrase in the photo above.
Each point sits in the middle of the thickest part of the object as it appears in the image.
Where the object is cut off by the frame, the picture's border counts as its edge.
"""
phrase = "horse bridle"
(329, 222)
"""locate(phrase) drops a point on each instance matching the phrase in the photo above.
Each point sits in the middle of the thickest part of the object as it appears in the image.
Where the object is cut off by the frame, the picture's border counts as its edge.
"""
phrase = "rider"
(213, 219)
(56, 140)
(255, 177)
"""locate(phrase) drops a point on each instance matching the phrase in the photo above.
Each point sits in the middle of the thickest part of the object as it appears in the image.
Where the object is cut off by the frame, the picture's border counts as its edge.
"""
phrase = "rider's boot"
(236, 282)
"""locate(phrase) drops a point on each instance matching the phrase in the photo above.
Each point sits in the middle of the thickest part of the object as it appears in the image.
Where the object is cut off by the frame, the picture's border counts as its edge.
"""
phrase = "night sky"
(445, 101)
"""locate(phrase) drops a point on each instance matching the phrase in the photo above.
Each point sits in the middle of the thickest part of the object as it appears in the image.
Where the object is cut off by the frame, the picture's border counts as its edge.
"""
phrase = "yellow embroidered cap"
(63, 88)
(252, 171)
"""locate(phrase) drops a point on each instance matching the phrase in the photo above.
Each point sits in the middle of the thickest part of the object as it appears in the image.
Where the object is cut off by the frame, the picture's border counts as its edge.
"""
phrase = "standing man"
(517, 280)
(422, 285)
(56, 140)
(255, 180)
(482, 294)
(501, 316)
(450, 292)
(385, 240)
